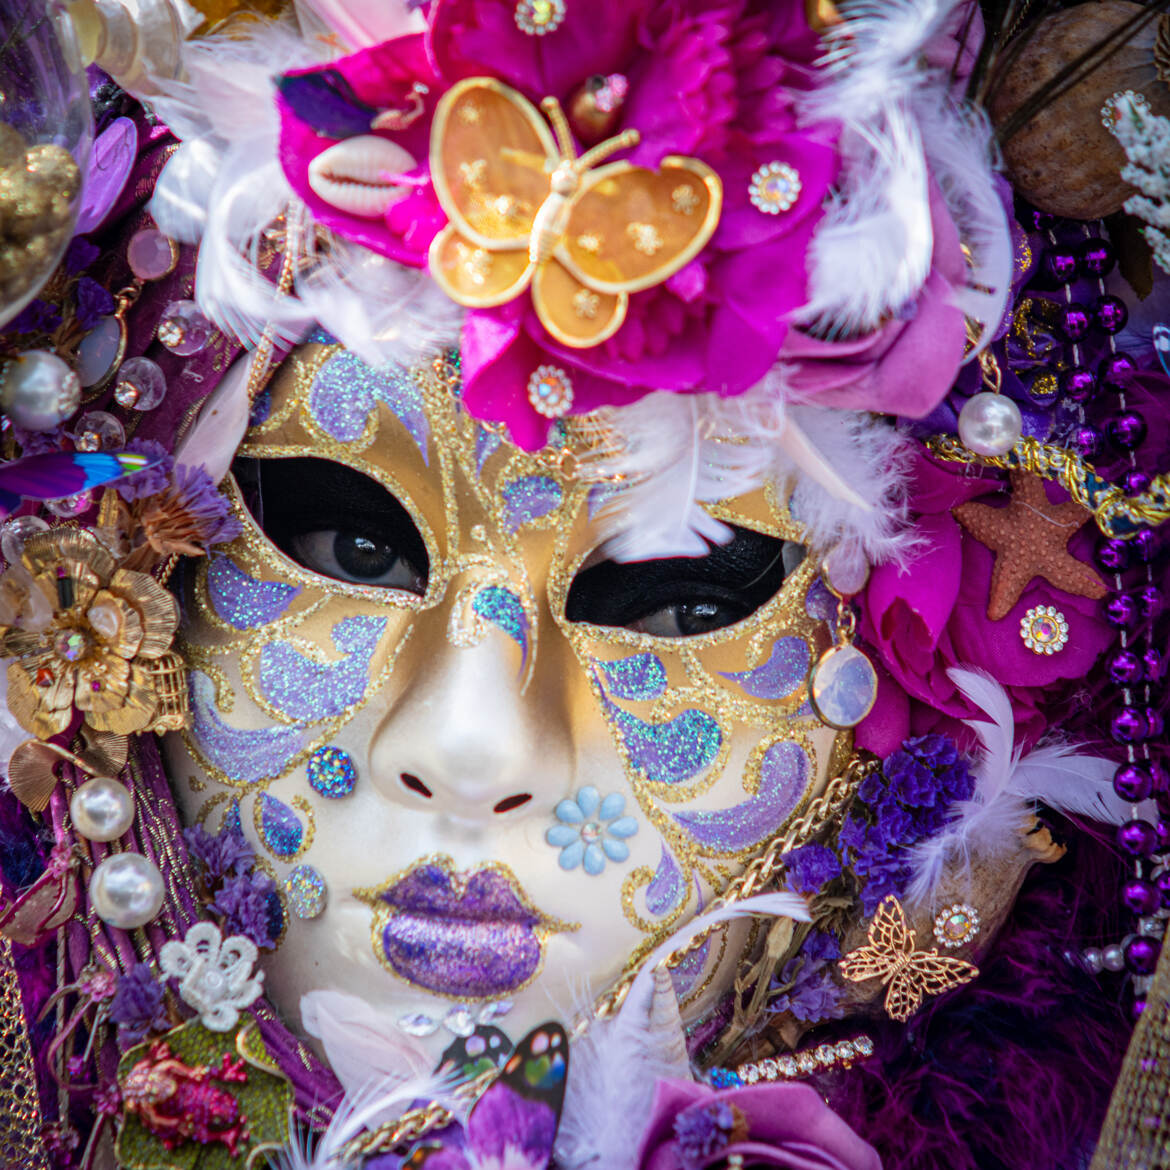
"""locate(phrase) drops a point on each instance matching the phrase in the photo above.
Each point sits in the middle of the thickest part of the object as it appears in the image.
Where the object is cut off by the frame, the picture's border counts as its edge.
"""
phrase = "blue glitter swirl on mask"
(684, 975)
(243, 756)
(504, 609)
(487, 443)
(304, 689)
(346, 391)
(242, 601)
(528, 499)
(280, 826)
(673, 751)
(666, 888)
(784, 775)
(785, 671)
(638, 677)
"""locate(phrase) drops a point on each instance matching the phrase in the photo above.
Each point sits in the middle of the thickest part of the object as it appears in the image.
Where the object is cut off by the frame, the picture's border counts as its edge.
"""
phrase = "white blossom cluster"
(1145, 137)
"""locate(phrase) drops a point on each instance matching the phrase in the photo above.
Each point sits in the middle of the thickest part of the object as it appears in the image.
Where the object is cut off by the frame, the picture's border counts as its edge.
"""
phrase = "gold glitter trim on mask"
(382, 914)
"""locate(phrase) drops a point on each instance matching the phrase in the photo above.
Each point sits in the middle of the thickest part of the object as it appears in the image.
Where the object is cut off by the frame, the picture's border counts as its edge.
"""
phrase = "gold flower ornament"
(90, 636)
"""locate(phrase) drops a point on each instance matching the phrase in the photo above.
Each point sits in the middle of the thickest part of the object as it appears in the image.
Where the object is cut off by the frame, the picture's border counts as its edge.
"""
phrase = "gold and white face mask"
(484, 762)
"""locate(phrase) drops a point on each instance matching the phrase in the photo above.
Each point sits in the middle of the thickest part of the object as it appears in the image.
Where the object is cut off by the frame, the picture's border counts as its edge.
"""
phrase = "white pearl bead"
(1092, 957)
(990, 424)
(39, 390)
(102, 809)
(1113, 958)
(126, 890)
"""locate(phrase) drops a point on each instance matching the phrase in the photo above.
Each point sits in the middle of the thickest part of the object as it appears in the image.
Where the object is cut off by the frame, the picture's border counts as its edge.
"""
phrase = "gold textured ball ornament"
(1063, 159)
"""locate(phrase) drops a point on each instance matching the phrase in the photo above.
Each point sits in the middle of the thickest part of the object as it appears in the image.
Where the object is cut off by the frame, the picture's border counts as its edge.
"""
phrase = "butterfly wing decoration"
(467, 1057)
(890, 955)
(60, 473)
(324, 100)
(492, 156)
(629, 229)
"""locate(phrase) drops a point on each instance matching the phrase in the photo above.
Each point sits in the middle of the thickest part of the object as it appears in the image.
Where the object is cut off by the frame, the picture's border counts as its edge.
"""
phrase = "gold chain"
(758, 875)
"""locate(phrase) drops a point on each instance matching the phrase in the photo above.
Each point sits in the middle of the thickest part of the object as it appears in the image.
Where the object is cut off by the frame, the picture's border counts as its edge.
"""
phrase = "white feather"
(360, 23)
(211, 443)
(1007, 786)
(615, 1066)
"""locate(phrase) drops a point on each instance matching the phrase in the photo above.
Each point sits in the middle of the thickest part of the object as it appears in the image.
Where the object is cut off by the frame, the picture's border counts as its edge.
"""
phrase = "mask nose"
(462, 742)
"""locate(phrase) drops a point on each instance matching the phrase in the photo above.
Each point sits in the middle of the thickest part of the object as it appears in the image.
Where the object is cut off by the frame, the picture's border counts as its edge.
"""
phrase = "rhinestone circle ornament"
(842, 687)
(550, 391)
(102, 809)
(957, 925)
(126, 890)
(184, 329)
(305, 889)
(331, 772)
(98, 431)
(537, 17)
(1044, 629)
(70, 506)
(141, 384)
(774, 188)
(152, 255)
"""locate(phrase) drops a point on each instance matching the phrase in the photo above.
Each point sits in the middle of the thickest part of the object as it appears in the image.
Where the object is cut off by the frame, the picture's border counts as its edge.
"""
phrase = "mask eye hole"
(335, 521)
(683, 597)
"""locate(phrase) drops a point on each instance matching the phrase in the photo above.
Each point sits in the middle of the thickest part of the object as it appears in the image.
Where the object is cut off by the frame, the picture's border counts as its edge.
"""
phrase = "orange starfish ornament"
(1030, 539)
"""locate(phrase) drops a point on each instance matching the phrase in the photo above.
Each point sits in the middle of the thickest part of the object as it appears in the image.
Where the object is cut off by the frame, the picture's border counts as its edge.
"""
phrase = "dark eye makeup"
(342, 524)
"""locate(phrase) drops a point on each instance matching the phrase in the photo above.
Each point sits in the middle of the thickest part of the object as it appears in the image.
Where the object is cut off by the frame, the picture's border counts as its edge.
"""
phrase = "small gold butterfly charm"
(889, 955)
(525, 211)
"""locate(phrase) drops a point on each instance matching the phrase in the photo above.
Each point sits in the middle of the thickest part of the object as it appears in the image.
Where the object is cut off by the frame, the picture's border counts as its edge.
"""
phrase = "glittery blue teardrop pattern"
(332, 772)
(637, 677)
(305, 889)
(280, 826)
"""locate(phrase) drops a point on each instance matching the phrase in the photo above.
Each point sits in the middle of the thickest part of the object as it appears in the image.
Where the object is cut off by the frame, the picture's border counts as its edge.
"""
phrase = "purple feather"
(325, 101)
(61, 473)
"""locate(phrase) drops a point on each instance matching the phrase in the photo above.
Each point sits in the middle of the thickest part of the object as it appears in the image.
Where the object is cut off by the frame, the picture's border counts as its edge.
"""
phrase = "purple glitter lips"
(470, 935)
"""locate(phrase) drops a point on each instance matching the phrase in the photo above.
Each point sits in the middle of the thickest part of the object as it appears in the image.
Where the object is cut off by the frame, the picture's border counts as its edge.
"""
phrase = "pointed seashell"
(664, 1026)
(352, 176)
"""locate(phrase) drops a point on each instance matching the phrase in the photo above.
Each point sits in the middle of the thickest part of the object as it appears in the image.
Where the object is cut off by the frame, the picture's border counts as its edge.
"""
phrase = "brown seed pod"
(1064, 159)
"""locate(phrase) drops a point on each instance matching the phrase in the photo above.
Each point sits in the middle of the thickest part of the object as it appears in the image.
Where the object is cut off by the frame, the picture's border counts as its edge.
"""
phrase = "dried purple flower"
(810, 992)
(80, 255)
(223, 854)
(243, 903)
(37, 316)
(702, 1132)
(151, 481)
(138, 1004)
(93, 302)
(811, 867)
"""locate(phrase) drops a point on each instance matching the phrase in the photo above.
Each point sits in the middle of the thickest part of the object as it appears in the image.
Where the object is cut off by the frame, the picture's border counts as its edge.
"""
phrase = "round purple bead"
(1088, 441)
(1141, 955)
(1121, 611)
(1137, 838)
(1075, 320)
(1040, 221)
(1128, 725)
(1154, 662)
(1113, 555)
(1078, 383)
(1125, 667)
(1140, 896)
(1151, 601)
(1135, 481)
(1162, 881)
(1116, 370)
(1136, 1007)
(1097, 257)
(1060, 264)
(1132, 782)
(1146, 544)
(1110, 313)
(1126, 431)
(1155, 723)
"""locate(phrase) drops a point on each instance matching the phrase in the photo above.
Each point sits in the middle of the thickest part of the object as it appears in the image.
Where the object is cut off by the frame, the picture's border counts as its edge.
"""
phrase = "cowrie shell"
(351, 175)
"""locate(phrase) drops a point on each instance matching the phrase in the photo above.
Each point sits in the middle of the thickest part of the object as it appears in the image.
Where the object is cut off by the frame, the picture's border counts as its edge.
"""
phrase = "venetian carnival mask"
(486, 764)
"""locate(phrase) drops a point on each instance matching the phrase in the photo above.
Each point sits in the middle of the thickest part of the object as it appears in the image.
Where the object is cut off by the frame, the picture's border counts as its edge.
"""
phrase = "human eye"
(683, 597)
(335, 521)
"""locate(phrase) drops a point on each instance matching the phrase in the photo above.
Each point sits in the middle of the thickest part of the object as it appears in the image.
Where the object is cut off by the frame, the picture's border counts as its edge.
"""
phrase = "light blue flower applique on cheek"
(590, 829)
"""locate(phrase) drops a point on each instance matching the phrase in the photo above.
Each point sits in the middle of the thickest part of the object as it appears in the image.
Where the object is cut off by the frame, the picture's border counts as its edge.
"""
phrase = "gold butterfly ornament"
(889, 954)
(526, 211)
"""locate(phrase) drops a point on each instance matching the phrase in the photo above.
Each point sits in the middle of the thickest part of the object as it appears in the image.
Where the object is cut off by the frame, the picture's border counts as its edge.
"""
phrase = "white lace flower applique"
(214, 973)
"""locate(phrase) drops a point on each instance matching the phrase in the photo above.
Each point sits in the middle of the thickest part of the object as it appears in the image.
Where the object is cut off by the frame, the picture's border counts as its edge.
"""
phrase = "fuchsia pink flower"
(714, 80)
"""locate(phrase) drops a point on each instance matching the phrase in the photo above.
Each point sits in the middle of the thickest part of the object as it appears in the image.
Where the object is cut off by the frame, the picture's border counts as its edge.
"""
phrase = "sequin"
(280, 826)
(346, 391)
(529, 499)
(673, 751)
(666, 888)
(638, 678)
(785, 671)
(784, 774)
(307, 690)
(305, 889)
(242, 601)
(504, 609)
(244, 756)
(332, 772)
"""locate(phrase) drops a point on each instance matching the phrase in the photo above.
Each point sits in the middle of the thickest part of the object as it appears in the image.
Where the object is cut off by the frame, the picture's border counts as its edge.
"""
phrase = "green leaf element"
(265, 1102)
